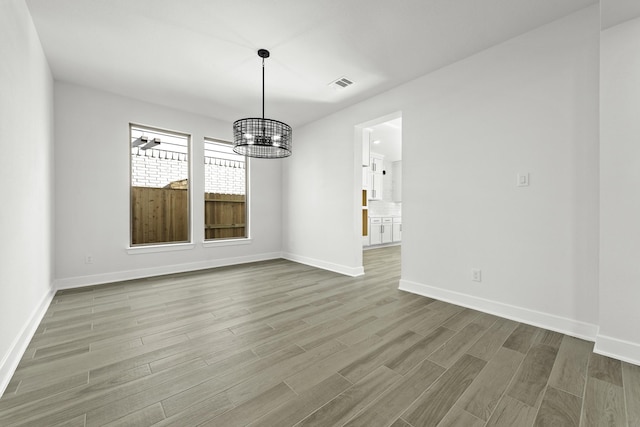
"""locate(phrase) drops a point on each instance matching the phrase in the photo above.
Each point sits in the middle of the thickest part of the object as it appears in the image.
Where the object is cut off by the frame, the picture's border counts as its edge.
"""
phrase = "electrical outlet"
(476, 275)
(523, 180)
(88, 259)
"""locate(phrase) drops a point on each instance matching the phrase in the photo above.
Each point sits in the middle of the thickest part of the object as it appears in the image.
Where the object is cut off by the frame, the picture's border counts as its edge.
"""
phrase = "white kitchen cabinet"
(387, 230)
(375, 231)
(397, 229)
(376, 177)
(377, 163)
(381, 230)
(375, 186)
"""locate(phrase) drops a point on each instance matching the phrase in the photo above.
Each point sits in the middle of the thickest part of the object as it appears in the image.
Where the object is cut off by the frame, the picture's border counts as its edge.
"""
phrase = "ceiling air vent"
(341, 82)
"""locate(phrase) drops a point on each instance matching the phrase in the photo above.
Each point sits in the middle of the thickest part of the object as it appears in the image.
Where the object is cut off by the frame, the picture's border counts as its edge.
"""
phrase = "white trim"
(19, 345)
(228, 242)
(552, 322)
(618, 349)
(382, 245)
(150, 249)
(97, 279)
(325, 265)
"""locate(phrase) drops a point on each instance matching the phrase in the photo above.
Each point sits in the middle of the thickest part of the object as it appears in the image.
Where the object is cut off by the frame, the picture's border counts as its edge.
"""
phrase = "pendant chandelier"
(260, 137)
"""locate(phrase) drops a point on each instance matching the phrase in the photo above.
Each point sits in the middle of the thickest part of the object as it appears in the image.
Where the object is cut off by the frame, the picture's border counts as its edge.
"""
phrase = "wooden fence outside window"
(161, 215)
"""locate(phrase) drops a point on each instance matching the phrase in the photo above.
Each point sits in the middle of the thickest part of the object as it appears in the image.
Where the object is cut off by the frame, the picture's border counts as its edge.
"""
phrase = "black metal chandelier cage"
(260, 137)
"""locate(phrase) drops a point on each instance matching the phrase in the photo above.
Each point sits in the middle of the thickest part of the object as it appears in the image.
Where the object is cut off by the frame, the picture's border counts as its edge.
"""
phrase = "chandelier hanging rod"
(263, 53)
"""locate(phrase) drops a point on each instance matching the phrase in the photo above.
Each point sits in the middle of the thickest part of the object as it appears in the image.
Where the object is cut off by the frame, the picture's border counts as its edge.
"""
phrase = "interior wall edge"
(572, 327)
(19, 345)
(118, 276)
(325, 265)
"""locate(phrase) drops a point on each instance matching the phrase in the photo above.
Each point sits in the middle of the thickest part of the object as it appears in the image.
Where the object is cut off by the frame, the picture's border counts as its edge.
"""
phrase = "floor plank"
(391, 404)
(255, 408)
(142, 418)
(491, 341)
(300, 407)
(413, 355)
(78, 421)
(351, 401)
(511, 412)
(380, 354)
(400, 423)
(455, 347)
(270, 376)
(631, 380)
(281, 343)
(531, 379)
(200, 412)
(606, 369)
(559, 408)
(458, 417)
(570, 370)
(603, 405)
(521, 338)
(462, 319)
(483, 395)
(324, 369)
(430, 408)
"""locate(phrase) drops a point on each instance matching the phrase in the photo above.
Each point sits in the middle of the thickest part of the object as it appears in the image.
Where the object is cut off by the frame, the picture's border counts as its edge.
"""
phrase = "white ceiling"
(200, 55)
(614, 12)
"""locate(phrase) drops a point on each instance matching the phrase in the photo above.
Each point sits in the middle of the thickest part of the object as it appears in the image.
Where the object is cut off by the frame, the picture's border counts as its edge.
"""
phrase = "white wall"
(26, 174)
(527, 105)
(322, 196)
(92, 191)
(620, 192)
(530, 106)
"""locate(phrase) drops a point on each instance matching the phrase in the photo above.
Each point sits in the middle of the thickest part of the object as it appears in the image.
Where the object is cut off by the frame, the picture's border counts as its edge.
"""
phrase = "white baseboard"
(336, 268)
(11, 359)
(618, 349)
(98, 279)
(552, 322)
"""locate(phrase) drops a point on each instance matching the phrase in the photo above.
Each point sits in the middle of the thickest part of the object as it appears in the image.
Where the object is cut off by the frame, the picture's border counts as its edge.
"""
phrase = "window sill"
(228, 242)
(132, 250)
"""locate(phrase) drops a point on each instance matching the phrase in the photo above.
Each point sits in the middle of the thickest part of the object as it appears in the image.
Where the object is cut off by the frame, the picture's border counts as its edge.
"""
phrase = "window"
(159, 186)
(225, 197)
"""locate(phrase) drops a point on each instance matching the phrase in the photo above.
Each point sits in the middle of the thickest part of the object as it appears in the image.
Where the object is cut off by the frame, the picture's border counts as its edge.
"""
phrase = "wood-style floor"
(280, 344)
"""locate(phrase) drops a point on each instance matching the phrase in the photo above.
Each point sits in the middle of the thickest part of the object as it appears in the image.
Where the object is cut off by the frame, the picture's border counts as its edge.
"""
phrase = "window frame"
(227, 241)
(171, 245)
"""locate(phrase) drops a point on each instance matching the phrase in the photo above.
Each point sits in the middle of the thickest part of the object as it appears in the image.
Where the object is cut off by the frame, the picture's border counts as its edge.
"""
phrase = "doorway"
(381, 193)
